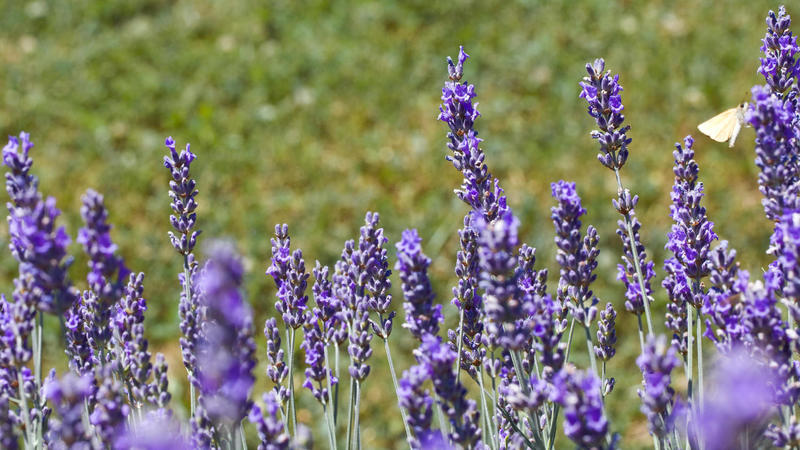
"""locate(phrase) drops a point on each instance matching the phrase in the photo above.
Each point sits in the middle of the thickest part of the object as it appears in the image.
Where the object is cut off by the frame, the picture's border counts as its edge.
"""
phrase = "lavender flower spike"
(462, 413)
(422, 316)
(184, 220)
(480, 189)
(577, 256)
(270, 429)
(107, 271)
(68, 395)
(602, 93)
(638, 301)
(133, 354)
(469, 302)
(506, 305)
(35, 241)
(277, 370)
(606, 334)
(226, 357)
(289, 272)
(772, 119)
(656, 363)
(417, 402)
(183, 193)
(579, 394)
(779, 66)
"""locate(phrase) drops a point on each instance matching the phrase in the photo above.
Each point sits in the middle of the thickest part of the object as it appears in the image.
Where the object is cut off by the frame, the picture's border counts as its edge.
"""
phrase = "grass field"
(314, 112)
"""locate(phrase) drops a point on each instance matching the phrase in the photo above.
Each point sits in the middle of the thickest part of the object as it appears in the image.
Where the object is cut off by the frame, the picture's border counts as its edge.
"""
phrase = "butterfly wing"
(736, 128)
(720, 127)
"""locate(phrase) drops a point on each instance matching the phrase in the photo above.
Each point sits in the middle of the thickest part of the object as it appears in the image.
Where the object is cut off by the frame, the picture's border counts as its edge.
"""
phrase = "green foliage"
(314, 112)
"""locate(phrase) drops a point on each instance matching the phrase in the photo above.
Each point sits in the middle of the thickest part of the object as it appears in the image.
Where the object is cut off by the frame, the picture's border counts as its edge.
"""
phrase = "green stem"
(636, 263)
(485, 412)
(37, 367)
(350, 414)
(336, 391)
(396, 390)
(569, 339)
(357, 426)
(293, 413)
(700, 360)
(460, 343)
(329, 409)
(590, 349)
(187, 290)
(26, 418)
(241, 436)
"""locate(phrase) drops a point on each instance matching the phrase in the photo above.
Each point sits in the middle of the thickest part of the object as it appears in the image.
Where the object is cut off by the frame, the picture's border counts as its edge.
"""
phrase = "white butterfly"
(726, 125)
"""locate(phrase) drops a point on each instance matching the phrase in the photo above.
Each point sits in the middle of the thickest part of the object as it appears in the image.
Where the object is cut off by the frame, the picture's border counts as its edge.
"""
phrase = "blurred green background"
(314, 112)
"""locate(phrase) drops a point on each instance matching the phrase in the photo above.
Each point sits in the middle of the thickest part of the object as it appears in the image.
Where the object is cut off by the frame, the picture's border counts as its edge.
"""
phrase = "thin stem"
(689, 369)
(293, 414)
(641, 332)
(329, 410)
(523, 382)
(459, 344)
(37, 362)
(485, 411)
(241, 436)
(187, 292)
(636, 263)
(444, 425)
(25, 413)
(493, 377)
(357, 426)
(699, 359)
(569, 339)
(590, 349)
(350, 413)
(336, 391)
(554, 421)
(396, 390)
(329, 425)
(603, 381)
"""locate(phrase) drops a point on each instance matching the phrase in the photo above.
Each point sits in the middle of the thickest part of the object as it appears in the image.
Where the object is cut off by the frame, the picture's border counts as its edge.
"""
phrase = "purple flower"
(35, 241)
(226, 357)
(158, 391)
(579, 394)
(469, 302)
(417, 402)
(601, 91)
(133, 355)
(16, 323)
(327, 306)
(317, 373)
(779, 66)
(786, 245)
(577, 256)
(277, 370)
(182, 192)
(626, 272)
(656, 363)
(67, 395)
(155, 432)
(422, 316)
(289, 271)
(737, 403)
(772, 119)
(270, 429)
(786, 435)
(437, 359)
(692, 233)
(606, 334)
(506, 305)
(8, 436)
(548, 329)
(110, 411)
(373, 258)
(107, 271)
(480, 189)
(723, 304)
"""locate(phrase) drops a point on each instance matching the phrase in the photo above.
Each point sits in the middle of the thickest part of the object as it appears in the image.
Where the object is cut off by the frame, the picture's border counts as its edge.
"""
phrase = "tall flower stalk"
(289, 272)
(601, 91)
(182, 193)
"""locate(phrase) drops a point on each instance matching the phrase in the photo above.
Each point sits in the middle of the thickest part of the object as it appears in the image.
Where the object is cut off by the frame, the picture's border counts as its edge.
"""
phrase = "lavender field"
(354, 253)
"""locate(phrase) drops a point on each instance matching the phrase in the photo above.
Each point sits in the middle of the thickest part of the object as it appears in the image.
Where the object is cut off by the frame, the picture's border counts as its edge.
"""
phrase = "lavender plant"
(510, 329)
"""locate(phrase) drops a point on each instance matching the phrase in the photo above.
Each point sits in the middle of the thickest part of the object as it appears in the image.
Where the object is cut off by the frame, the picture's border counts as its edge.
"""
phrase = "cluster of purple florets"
(515, 339)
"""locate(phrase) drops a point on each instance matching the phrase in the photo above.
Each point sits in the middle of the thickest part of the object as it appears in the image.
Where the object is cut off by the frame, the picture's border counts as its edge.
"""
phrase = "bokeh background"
(314, 112)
